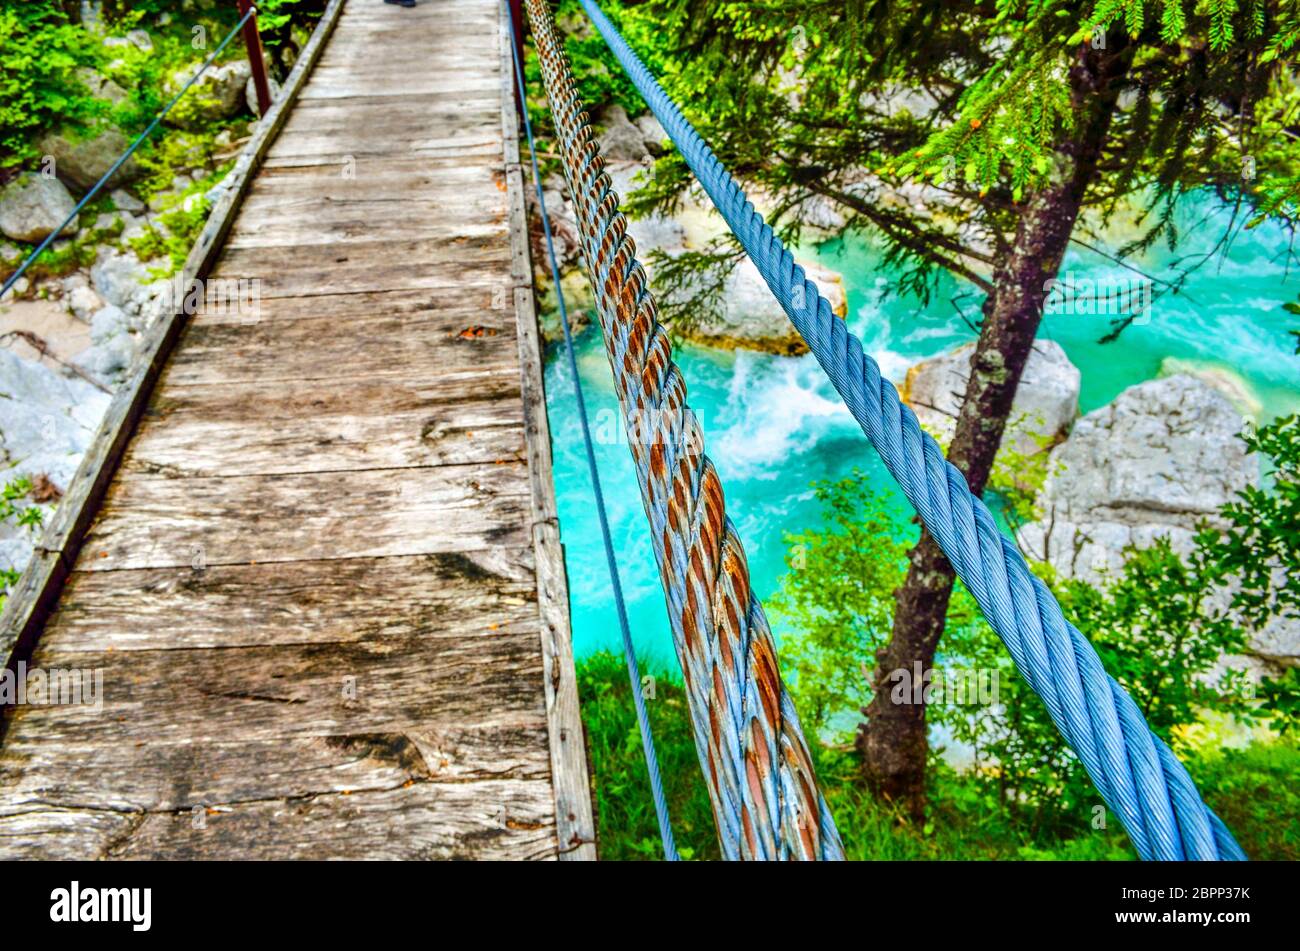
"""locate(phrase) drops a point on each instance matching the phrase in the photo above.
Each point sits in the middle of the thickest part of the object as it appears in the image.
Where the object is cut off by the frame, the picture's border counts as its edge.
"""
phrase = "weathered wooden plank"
(491, 820)
(364, 266)
(390, 684)
(331, 223)
(299, 339)
(389, 115)
(452, 594)
(160, 522)
(275, 427)
(386, 201)
(413, 183)
(377, 163)
(181, 776)
(346, 86)
(131, 775)
(466, 142)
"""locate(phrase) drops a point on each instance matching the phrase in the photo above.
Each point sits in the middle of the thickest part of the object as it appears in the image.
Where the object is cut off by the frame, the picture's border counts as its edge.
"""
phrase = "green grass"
(1254, 790)
(625, 815)
(1256, 793)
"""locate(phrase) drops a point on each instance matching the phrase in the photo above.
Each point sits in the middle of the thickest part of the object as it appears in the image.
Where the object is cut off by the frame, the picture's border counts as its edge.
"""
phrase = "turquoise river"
(773, 424)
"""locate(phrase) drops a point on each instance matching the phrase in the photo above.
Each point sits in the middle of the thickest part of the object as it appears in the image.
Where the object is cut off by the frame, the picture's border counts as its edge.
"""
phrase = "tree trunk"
(892, 740)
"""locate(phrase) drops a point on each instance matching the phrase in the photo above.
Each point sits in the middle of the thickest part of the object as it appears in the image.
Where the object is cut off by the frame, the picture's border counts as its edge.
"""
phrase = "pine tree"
(1008, 126)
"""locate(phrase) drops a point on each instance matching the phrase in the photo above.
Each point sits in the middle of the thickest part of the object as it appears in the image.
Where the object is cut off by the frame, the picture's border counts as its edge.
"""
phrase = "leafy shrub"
(39, 54)
(1160, 627)
(29, 517)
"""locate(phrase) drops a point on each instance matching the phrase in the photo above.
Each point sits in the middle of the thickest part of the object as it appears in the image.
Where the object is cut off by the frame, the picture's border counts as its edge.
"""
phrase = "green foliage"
(625, 812)
(28, 517)
(1158, 632)
(273, 16)
(8, 578)
(839, 598)
(13, 509)
(75, 253)
(43, 46)
(838, 594)
(1253, 789)
(1255, 792)
(848, 103)
(1281, 697)
(1160, 626)
(600, 80)
(177, 228)
(964, 822)
(1261, 546)
(39, 53)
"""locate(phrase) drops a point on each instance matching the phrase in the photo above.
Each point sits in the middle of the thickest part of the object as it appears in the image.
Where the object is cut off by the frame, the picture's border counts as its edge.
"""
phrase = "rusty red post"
(253, 43)
(517, 19)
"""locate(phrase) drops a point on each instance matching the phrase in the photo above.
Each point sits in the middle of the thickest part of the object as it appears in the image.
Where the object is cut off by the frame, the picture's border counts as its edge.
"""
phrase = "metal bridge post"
(253, 43)
(519, 24)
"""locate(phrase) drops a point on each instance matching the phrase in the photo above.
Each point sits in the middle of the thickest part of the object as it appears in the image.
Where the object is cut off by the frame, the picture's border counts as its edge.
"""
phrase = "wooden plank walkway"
(324, 586)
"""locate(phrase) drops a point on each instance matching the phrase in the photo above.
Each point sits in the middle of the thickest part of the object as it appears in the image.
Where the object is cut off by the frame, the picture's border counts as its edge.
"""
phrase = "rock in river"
(1046, 403)
(1153, 463)
(32, 206)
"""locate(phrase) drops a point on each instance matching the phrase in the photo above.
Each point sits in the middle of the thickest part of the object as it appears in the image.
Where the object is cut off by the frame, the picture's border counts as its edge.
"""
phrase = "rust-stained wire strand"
(756, 763)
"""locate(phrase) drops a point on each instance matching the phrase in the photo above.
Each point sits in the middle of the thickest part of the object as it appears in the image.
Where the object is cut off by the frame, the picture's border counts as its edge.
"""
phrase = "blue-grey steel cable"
(1134, 770)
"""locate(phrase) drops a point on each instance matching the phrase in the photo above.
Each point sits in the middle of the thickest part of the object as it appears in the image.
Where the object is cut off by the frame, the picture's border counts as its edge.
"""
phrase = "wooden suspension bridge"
(313, 549)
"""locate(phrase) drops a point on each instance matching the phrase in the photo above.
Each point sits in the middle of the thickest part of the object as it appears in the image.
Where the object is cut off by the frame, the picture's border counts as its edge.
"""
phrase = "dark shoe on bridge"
(402, 3)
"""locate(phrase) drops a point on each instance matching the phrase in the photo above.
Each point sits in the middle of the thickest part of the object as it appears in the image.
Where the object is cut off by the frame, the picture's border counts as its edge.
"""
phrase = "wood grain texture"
(450, 594)
(298, 340)
(270, 692)
(492, 820)
(179, 776)
(316, 572)
(347, 267)
(159, 522)
(455, 419)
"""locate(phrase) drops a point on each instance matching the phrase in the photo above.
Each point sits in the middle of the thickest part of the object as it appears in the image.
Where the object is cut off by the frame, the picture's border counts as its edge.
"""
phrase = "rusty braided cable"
(756, 764)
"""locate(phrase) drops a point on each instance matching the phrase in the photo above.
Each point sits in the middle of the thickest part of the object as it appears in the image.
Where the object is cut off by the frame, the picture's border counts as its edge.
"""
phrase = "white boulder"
(652, 133)
(621, 141)
(1045, 405)
(1159, 458)
(83, 302)
(123, 200)
(83, 157)
(1154, 463)
(250, 94)
(117, 277)
(33, 206)
(46, 422)
(216, 94)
